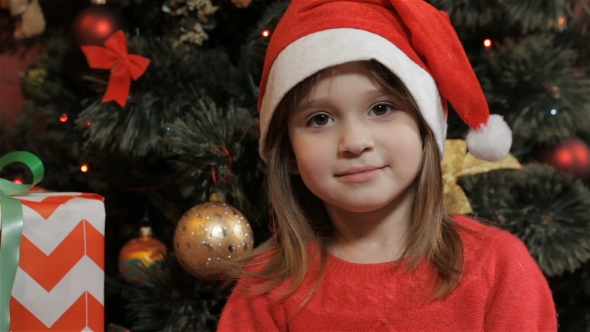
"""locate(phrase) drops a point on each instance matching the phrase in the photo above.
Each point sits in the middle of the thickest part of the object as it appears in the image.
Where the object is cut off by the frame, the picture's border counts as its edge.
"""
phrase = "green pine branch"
(546, 209)
(534, 82)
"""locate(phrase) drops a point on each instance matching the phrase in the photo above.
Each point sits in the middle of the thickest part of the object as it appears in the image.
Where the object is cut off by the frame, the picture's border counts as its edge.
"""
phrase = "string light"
(18, 181)
(487, 43)
(84, 168)
(561, 20)
(63, 118)
(88, 123)
(265, 33)
(553, 111)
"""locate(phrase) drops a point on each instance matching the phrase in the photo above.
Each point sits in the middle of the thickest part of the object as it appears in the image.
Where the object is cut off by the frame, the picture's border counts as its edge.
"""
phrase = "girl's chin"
(361, 207)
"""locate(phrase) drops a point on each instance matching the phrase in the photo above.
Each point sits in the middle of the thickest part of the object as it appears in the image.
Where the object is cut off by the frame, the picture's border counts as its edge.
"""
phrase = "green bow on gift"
(11, 226)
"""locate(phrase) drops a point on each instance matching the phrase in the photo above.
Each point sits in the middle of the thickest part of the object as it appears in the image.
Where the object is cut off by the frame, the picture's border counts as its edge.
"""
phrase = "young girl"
(353, 122)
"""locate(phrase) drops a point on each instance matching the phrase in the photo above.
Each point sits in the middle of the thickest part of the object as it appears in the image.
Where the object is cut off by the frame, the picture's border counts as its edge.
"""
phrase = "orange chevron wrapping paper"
(60, 278)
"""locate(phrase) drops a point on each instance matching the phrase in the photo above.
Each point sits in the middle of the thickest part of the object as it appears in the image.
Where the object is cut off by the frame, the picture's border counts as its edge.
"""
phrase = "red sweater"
(502, 289)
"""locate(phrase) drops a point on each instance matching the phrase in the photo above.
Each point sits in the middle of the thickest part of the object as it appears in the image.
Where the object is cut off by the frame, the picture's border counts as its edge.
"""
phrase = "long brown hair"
(301, 219)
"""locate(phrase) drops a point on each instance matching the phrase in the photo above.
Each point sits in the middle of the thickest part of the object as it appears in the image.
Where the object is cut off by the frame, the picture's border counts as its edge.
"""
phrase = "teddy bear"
(30, 21)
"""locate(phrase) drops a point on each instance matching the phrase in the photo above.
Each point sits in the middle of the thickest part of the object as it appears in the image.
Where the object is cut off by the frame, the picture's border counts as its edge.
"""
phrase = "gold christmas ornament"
(209, 234)
(458, 162)
(139, 254)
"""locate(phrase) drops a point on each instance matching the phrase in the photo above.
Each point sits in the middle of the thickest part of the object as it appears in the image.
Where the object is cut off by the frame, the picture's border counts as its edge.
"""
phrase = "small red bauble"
(571, 155)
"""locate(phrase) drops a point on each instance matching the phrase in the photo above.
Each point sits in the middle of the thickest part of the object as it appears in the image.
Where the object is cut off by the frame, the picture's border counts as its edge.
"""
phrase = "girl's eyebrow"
(312, 103)
(379, 93)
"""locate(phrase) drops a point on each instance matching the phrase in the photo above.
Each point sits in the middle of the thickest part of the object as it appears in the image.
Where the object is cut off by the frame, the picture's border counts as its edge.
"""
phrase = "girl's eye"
(381, 109)
(319, 119)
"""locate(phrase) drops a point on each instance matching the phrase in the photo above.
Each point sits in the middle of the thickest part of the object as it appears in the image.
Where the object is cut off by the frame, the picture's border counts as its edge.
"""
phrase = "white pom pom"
(492, 141)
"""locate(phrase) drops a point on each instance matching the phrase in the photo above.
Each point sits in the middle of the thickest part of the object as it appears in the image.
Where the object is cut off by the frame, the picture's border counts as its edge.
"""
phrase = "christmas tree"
(178, 128)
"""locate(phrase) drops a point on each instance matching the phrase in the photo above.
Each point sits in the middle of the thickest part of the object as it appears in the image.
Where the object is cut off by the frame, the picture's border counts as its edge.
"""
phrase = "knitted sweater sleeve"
(245, 313)
(520, 298)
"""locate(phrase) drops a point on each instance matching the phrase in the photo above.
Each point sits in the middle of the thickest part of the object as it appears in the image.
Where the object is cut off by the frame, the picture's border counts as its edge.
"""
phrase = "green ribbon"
(11, 225)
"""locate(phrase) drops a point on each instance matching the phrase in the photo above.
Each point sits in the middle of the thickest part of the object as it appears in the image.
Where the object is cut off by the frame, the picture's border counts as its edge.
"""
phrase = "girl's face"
(355, 146)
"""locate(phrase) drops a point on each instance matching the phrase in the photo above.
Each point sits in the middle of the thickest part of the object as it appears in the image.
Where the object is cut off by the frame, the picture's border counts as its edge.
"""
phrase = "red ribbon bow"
(124, 66)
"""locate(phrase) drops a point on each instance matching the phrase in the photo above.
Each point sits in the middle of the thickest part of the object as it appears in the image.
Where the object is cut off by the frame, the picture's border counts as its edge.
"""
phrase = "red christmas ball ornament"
(93, 25)
(571, 155)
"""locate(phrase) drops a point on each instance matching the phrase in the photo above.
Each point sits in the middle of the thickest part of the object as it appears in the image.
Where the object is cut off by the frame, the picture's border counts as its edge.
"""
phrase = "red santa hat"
(410, 37)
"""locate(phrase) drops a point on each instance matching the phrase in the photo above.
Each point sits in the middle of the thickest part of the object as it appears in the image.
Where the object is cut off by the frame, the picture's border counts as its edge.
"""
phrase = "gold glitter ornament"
(458, 162)
(209, 234)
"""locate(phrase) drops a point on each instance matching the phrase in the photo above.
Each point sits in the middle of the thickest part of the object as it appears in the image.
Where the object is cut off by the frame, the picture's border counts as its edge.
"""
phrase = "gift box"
(51, 255)
(59, 283)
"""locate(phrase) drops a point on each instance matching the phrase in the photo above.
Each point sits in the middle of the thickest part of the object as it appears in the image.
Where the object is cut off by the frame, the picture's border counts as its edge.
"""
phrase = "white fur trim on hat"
(314, 52)
(491, 141)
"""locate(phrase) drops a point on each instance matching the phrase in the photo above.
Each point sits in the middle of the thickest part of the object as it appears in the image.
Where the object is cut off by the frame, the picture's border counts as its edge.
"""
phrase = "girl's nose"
(355, 138)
